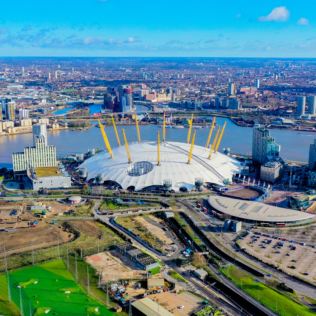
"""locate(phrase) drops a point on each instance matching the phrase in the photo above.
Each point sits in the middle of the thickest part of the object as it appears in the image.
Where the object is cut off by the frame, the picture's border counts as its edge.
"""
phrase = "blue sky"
(245, 28)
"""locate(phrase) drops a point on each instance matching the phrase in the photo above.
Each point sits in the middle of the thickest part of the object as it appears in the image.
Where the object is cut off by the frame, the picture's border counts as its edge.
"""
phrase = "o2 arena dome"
(150, 166)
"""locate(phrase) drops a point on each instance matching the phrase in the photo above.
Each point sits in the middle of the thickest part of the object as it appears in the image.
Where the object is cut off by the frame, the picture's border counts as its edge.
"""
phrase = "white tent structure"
(144, 172)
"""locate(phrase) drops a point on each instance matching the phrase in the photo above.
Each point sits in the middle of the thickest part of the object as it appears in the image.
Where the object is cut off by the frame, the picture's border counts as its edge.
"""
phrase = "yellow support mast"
(214, 143)
(158, 149)
(164, 127)
(191, 148)
(137, 128)
(115, 131)
(210, 133)
(105, 139)
(220, 137)
(190, 129)
(126, 147)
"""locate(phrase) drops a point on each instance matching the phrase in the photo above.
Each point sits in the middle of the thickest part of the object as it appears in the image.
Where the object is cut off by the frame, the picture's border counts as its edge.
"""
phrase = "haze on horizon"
(172, 28)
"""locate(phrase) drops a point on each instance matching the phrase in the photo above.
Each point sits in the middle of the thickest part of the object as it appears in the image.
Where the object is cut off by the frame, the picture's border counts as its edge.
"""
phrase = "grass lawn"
(84, 209)
(155, 270)
(47, 172)
(275, 301)
(6, 308)
(109, 205)
(142, 232)
(186, 227)
(177, 276)
(50, 289)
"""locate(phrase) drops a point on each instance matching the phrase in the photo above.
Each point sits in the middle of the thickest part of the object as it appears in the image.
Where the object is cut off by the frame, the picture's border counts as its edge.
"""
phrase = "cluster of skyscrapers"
(228, 101)
(119, 100)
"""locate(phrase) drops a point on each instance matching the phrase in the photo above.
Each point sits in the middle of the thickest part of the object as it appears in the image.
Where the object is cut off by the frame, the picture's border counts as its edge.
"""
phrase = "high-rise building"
(311, 104)
(2, 107)
(312, 156)
(301, 104)
(111, 100)
(39, 132)
(24, 114)
(231, 89)
(258, 83)
(264, 147)
(40, 155)
(126, 99)
(10, 111)
(234, 103)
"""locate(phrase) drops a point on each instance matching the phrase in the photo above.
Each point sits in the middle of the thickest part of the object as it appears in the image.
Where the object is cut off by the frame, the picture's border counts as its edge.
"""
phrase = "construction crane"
(126, 147)
(190, 129)
(115, 131)
(214, 143)
(105, 139)
(210, 133)
(137, 128)
(158, 149)
(164, 127)
(220, 137)
(191, 148)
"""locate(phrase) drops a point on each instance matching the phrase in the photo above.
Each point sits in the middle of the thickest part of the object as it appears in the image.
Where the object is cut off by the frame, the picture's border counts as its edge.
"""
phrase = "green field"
(272, 299)
(50, 289)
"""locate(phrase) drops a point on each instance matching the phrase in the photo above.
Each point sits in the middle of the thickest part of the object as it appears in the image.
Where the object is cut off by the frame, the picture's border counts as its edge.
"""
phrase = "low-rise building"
(271, 171)
(48, 178)
(148, 307)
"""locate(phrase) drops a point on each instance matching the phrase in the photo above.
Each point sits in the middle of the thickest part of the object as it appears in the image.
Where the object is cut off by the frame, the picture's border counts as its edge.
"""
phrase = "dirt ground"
(154, 226)
(89, 228)
(113, 268)
(278, 196)
(292, 258)
(182, 304)
(241, 192)
(26, 239)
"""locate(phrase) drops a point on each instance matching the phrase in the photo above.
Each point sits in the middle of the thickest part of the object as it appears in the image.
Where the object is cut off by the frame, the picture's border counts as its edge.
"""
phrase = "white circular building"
(174, 171)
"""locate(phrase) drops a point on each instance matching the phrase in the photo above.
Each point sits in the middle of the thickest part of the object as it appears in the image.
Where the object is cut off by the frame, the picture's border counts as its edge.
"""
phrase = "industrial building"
(141, 259)
(148, 307)
(260, 213)
(161, 165)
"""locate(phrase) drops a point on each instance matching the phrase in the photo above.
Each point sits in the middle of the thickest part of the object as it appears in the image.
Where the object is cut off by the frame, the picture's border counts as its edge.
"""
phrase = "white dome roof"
(143, 171)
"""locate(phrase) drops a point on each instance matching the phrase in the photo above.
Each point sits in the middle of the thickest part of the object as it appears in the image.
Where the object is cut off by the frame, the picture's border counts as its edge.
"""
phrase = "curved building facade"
(174, 171)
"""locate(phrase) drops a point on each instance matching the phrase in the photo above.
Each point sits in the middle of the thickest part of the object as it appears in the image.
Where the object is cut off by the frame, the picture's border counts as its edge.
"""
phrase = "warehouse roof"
(150, 308)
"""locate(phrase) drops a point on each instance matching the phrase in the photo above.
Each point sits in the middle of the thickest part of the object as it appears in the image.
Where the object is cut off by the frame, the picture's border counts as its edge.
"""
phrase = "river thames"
(294, 145)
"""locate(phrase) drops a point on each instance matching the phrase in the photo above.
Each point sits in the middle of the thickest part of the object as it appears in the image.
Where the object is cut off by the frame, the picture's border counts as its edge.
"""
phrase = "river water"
(295, 145)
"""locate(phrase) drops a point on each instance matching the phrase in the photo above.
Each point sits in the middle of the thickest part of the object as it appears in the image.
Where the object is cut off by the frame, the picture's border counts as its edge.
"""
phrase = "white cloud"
(278, 14)
(303, 21)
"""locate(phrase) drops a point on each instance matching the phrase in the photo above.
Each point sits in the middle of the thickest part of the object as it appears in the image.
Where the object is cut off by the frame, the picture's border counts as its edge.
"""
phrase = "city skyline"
(121, 28)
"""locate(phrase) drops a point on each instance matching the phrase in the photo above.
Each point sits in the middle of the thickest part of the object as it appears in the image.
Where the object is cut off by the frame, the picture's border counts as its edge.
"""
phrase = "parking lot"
(294, 258)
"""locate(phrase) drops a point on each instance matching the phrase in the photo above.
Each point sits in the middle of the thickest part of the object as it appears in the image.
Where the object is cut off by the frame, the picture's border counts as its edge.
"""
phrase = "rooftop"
(255, 211)
(42, 172)
(150, 308)
(143, 171)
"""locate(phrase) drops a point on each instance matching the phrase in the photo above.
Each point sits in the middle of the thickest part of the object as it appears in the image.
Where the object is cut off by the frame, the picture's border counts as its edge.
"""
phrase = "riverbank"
(294, 144)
